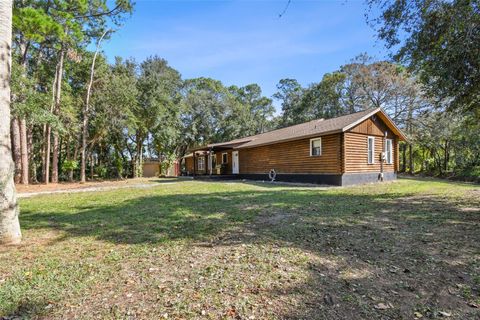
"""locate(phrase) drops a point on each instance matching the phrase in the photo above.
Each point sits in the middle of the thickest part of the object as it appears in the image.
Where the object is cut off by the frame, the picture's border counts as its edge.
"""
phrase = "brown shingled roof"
(308, 129)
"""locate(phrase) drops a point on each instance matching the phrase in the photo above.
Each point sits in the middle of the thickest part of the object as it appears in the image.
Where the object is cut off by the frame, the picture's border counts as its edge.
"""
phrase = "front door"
(235, 166)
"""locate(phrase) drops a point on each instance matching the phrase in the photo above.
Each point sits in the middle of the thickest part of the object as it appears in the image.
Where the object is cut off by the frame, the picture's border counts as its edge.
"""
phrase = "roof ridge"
(303, 123)
(319, 119)
(308, 128)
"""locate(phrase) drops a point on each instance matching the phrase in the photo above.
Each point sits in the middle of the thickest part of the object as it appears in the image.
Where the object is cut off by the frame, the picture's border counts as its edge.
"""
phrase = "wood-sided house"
(356, 148)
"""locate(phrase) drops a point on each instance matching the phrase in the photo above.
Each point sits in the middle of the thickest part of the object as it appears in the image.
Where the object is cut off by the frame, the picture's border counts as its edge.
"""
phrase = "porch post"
(205, 162)
(210, 160)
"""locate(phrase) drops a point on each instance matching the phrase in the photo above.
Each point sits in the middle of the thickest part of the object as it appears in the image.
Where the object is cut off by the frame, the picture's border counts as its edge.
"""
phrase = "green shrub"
(69, 165)
(101, 171)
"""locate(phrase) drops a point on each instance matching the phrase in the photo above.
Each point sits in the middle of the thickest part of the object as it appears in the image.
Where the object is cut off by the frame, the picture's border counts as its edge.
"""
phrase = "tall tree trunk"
(119, 155)
(31, 157)
(60, 159)
(55, 151)
(138, 156)
(9, 225)
(404, 158)
(24, 150)
(47, 132)
(133, 158)
(140, 163)
(438, 162)
(58, 94)
(411, 169)
(75, 156)
(446, 157)
(422, 166)
(134, 166)
(17, 155)
(92, 172)
(86, 111)
(22, 121)
(46, 154)
(68, 157)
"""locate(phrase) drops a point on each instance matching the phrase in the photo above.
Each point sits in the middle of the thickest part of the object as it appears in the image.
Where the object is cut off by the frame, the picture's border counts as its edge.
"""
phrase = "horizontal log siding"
(356, 147)
(356, 154)
(293, 157)
(229, 163)
(189, 164)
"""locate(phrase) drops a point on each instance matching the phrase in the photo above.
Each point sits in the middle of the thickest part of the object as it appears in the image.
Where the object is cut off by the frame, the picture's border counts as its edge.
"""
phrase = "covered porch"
(219, 159)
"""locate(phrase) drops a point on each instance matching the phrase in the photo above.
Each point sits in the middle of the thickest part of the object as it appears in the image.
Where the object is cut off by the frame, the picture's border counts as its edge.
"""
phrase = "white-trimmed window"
(371, 150)
(201, 163)
(389, 151)
(224, 157)
(316, 147)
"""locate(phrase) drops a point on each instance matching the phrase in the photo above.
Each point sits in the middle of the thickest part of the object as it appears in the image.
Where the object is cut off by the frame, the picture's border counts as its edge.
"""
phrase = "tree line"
(75, 116)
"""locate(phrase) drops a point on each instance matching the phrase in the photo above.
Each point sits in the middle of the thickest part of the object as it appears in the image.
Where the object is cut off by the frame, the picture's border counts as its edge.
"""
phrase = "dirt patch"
(273, 219)
(77, 185)
(68, 185)
(470, 209)
(25, 191)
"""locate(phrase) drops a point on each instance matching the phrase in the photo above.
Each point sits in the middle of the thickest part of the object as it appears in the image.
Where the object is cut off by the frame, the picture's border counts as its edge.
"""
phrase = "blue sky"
(241, 42)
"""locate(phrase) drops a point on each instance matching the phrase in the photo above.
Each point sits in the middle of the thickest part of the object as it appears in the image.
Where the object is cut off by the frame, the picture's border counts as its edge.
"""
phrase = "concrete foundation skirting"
(333, 179)
(346, 179)
(349, 179)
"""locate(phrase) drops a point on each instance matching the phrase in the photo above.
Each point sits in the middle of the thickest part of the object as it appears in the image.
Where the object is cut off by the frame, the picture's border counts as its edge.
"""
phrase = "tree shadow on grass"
(405, 252)
(387, 258)
(435, 179)
(26, 309)
(197, 216)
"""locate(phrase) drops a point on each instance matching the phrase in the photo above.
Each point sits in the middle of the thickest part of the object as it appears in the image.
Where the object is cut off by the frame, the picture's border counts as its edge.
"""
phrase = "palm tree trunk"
(9, 210)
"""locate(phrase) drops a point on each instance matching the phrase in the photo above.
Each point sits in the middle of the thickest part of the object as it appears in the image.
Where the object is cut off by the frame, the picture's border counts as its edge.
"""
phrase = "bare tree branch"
(285, 9)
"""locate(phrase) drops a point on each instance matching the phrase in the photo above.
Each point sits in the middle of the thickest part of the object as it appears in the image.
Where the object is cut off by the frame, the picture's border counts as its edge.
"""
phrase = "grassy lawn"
(205, 250)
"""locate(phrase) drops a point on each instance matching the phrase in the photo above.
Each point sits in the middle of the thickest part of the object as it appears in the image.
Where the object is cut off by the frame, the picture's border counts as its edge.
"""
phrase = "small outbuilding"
(151, 168)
